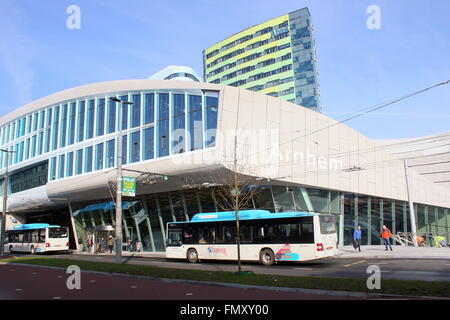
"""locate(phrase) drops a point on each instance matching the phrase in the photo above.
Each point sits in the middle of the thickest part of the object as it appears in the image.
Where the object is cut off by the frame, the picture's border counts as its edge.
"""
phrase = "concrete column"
(161, 222)
(149, 226)
(341, 221)
(72, 222)
(369, 221)
(411, 205)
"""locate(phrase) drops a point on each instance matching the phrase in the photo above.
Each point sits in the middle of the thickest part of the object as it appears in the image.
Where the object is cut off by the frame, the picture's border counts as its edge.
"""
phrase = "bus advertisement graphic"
(285, 254)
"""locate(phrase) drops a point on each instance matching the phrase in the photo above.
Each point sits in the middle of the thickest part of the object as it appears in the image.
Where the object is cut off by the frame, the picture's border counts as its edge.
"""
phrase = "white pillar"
(412, 216)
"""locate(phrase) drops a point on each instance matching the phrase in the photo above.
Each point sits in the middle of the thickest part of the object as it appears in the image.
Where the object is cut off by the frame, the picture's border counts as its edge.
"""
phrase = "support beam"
(412, 216)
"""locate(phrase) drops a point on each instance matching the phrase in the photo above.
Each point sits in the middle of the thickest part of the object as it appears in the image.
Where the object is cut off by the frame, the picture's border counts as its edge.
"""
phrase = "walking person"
(137, 246)
(386, 235)
(357, 239)
(89, 244)
(110, 243)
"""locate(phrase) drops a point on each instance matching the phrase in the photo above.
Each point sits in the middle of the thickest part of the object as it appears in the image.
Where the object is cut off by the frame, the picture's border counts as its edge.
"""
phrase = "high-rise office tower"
(277, 57)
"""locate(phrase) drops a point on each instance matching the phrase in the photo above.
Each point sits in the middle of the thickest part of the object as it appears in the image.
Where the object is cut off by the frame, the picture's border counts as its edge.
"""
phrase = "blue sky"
(358, 67)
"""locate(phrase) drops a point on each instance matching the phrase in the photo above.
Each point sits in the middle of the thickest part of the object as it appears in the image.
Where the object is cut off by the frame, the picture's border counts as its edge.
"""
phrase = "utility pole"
(5, 203)
(412, 216)
(119, 183)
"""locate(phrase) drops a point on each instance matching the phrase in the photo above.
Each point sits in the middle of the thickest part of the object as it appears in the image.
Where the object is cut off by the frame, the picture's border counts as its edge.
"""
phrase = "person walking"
(386, 235)
(357, 239)
(110, 243)
(89, 244)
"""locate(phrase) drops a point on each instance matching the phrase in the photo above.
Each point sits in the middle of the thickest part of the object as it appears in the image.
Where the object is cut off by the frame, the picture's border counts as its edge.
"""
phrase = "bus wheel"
(32, 250)
(266, 257)
(10, 249)
(192, 256)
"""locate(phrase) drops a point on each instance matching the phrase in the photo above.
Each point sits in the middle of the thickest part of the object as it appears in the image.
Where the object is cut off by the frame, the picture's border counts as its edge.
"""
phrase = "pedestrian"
(137, 246)
(89, 244)
(386, 235)
(110, 243)
(357, 239)
(100, 246)
(129, 244)
(80, 243)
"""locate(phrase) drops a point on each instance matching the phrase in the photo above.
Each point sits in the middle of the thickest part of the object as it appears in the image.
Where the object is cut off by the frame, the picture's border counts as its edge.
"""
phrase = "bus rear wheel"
(266, 257)
(192, 256)
(11, 249)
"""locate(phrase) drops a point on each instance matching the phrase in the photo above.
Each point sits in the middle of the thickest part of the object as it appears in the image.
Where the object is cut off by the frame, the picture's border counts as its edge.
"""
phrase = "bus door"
(176, 242)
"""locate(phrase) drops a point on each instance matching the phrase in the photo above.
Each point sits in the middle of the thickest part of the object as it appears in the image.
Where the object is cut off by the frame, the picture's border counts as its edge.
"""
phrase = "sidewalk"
(157, 255)
(399, 252)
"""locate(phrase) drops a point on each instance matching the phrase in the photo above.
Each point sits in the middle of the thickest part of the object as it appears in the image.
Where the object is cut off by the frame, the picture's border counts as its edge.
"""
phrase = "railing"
(404, 238)
(427, 239)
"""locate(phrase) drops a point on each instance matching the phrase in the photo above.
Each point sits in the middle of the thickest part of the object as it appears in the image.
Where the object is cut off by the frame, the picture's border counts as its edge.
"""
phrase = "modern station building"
(277, 58)
(64, 166)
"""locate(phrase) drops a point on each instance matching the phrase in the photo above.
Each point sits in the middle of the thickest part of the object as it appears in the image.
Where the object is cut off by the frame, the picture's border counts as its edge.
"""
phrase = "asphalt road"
(38, 283)
(402, 269)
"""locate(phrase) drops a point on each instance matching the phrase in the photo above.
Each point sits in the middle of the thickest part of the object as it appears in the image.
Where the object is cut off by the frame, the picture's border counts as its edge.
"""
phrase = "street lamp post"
(5, 202)
(119, 184)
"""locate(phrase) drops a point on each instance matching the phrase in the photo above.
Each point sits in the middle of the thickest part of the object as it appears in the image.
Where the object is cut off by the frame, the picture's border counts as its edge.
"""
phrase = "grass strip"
(388, 286)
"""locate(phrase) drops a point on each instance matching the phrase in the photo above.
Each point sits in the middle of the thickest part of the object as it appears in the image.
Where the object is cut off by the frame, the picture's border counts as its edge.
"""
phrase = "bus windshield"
(327, 224)
(57, 233)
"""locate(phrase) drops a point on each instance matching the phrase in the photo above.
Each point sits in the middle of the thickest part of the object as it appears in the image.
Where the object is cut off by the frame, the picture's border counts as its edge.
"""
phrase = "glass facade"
(277, 58)
(145, 217)
(80, 135)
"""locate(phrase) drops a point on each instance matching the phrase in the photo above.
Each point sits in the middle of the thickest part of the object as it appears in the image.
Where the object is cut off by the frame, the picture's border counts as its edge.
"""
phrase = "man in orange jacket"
(386, 235)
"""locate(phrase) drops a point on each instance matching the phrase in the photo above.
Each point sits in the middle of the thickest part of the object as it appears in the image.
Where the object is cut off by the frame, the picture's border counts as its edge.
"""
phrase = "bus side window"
(34, 236)
(307, 232)
(201, 234)
(247, 235)
(188, 235)
(41, 237)
(228, 233)
(294, 232)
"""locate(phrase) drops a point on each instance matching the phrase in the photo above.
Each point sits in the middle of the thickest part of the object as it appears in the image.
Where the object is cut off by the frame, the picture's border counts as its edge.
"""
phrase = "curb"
(242, 286)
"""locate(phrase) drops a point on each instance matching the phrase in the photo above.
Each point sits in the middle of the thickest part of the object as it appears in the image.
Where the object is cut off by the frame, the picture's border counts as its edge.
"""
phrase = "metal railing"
(429, 239)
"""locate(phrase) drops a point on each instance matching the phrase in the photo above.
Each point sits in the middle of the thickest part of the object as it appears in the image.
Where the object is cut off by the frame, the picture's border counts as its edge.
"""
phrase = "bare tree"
(234, 191)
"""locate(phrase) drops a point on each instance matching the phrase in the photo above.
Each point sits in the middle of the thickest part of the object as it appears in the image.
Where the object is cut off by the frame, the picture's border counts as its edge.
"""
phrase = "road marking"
(133, 287)
(19, 290)
(56, 298)
(306, 269)
(188, 294)
(34, 273)
(351, 264)
(92, 281)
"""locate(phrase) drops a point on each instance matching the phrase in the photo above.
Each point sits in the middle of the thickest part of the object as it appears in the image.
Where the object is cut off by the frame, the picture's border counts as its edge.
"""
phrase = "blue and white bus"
(265, 237)
(37, 238)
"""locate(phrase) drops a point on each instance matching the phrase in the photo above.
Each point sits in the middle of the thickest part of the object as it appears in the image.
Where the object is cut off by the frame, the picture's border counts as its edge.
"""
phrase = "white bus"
(265, 237)
(37, 238)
